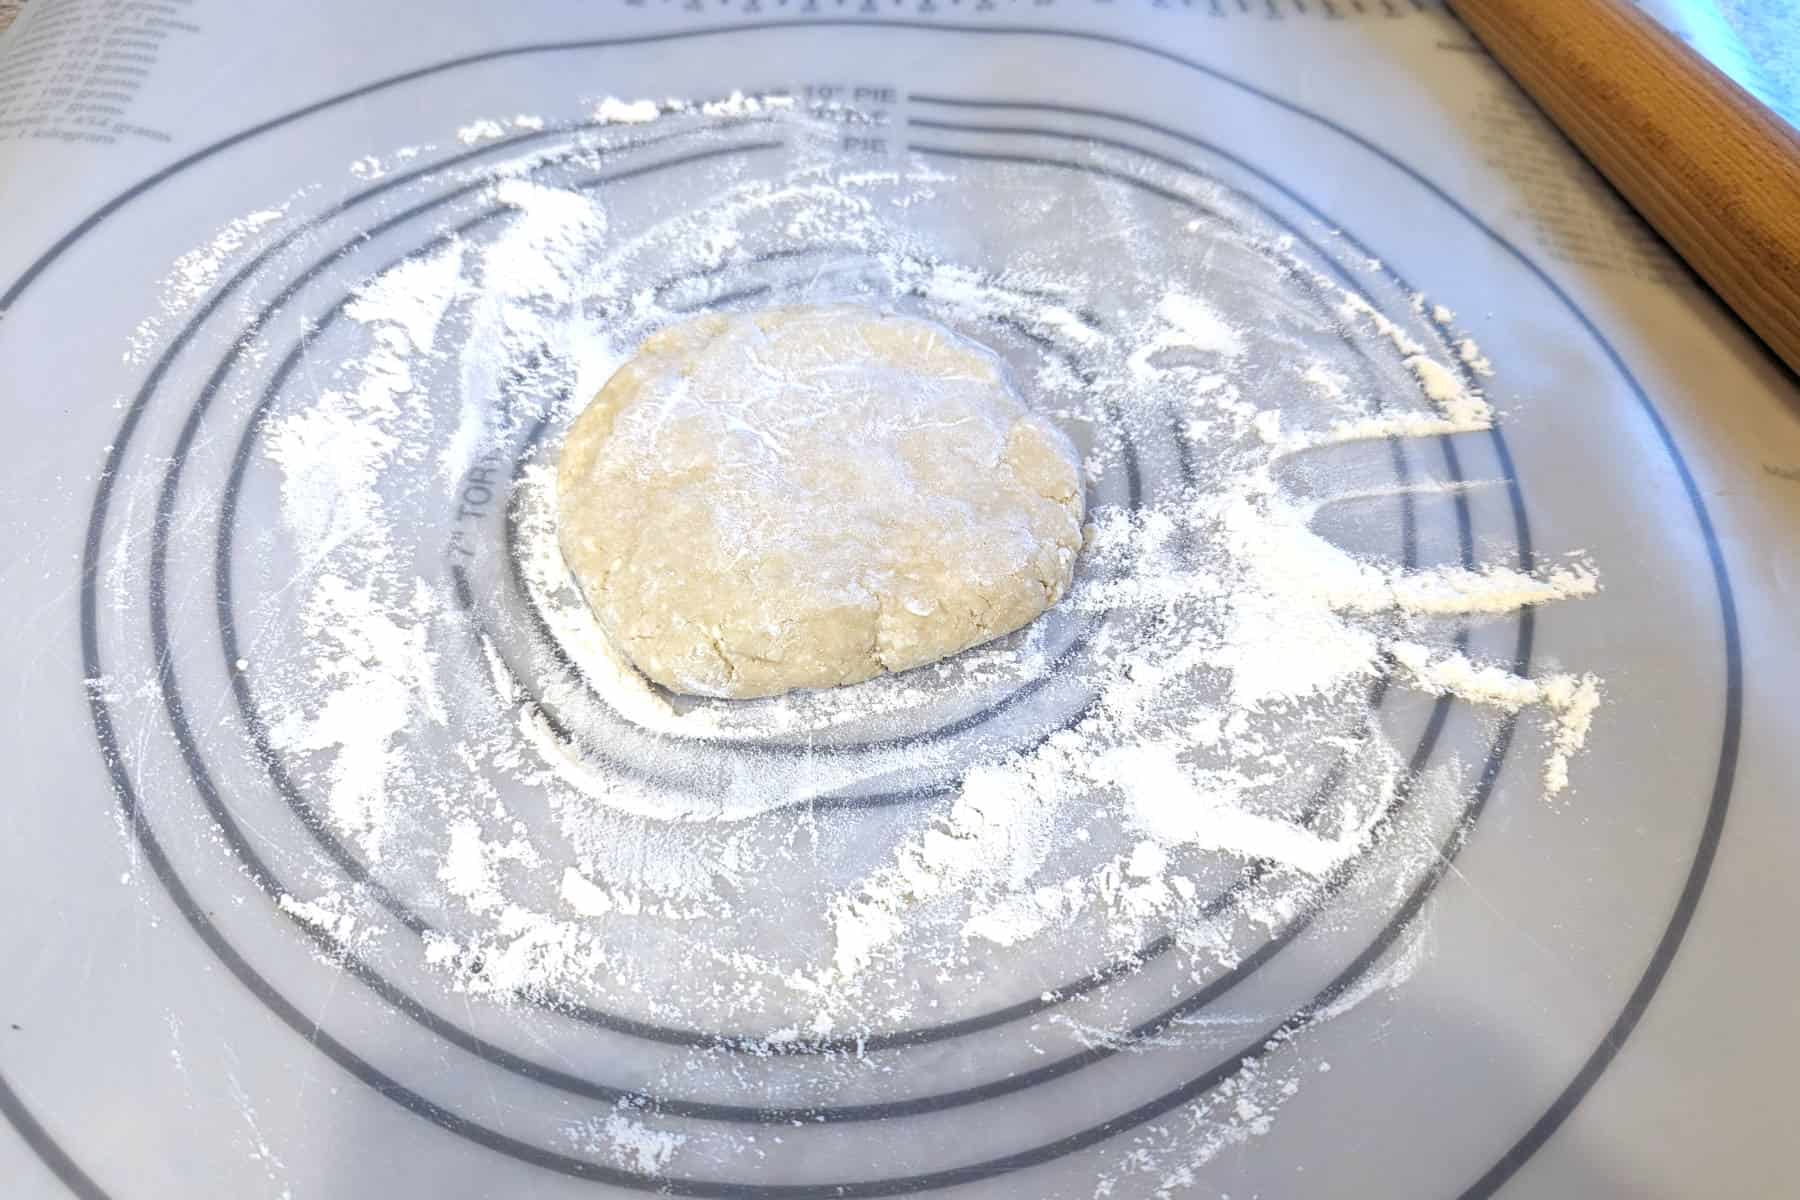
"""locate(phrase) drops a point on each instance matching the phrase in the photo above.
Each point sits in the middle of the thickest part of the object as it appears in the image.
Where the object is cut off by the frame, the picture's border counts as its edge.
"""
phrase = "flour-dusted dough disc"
(809, 496)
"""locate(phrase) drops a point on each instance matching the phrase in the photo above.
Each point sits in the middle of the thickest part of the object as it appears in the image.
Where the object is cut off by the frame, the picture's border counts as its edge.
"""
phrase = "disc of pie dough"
(810, 496)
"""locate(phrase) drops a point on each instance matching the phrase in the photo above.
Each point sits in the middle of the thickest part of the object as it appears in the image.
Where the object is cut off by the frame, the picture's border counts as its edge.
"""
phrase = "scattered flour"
(1471, 354)
(1217, 608)
(627, 1142)
(193, 274)
(613, 111)
(480, 131)
(329, 914)
(847, 862)
(1569, 700)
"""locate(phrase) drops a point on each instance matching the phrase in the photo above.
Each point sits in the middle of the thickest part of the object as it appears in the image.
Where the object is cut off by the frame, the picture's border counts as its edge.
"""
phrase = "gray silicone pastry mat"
(219, 981)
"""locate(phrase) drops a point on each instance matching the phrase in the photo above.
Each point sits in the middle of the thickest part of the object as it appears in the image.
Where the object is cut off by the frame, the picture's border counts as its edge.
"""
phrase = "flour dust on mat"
(1206, 747)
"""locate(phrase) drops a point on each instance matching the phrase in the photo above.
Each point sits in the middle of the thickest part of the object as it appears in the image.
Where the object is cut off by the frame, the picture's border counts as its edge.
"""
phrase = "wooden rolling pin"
(1715, 172)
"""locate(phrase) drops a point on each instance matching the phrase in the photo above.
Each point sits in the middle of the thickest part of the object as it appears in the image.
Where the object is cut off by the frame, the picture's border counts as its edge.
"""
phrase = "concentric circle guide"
(1033, 133)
